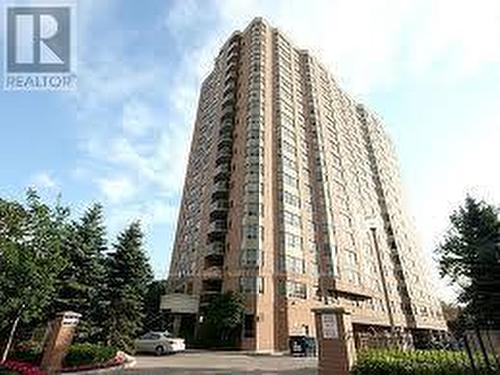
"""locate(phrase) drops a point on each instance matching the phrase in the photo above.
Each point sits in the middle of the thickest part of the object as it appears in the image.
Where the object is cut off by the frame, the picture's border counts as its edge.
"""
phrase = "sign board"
(329, 326)
(179, 303)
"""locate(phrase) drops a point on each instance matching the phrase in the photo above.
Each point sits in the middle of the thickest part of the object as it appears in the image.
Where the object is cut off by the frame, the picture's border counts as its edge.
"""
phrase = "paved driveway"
(222, 363)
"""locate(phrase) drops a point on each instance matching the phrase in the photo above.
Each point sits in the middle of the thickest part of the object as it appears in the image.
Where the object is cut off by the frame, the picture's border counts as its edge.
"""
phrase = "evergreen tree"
(155, 319)
(470, 256)
(224, 319)
(128, 278)
(82, 283)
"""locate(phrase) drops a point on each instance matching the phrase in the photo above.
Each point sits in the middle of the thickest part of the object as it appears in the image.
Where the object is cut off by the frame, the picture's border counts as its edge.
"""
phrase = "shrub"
(27, 352)
(88, 354)
(422, 362)
(5, 371)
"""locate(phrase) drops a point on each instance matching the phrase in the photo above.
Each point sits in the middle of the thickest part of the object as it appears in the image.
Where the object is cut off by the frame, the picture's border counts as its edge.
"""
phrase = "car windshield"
(167, 334)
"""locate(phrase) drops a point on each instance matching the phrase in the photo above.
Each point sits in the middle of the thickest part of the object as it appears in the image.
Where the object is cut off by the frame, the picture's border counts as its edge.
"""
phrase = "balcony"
(223, 168)
(211, 285)
(232, 57)
(228, 151)
(225, 140)
(213, 261)
(219, 208)
(220, 190)
(231, 67)
(229, 101)
(233, 47)
(220, 205)
(222, 172)
(213, 272)
(227, 112)
(217, 231)
(222, 159)
(230, 78)
(229, 89)
(226, 127)
(218, 226)
(216, 248)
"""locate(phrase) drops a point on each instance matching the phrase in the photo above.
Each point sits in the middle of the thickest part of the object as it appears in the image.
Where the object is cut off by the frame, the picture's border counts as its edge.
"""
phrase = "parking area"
(222, 363)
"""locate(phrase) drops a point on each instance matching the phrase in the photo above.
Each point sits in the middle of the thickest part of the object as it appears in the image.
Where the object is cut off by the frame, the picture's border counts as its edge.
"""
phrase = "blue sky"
(430, 68)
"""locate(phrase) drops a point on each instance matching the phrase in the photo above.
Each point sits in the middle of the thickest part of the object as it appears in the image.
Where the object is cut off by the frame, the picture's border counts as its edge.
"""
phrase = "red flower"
(23, 368)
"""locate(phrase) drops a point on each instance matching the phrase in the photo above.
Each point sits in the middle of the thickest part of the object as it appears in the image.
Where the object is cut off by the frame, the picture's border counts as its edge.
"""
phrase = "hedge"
(78, 354)
(5, 371)
(88, 354)
(421, 362)
(27, 352)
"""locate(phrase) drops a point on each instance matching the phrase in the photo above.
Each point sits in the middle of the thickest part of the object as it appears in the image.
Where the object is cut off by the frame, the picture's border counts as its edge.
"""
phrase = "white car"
(159, 343)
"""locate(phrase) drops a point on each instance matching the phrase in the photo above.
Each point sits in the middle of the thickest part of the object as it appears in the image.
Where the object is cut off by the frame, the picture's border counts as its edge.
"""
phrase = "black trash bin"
(310, 346)
(302, 346)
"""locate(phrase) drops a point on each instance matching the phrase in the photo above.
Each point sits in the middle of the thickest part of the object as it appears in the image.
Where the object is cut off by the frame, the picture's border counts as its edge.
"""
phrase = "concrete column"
(336, 348)
(60, 335)
(176, 326)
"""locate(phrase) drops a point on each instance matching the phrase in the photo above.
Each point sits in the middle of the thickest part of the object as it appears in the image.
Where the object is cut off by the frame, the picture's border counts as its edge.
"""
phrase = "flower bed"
(25, 359)
(22, 368)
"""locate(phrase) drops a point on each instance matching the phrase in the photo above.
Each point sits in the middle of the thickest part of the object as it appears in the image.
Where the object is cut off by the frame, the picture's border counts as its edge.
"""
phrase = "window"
(251, 258)
(252, 285)
(249, 326)
(288, 147)
(293, 289)
(252, 231)
(288, 133)
(150, 336)
(353, 277)
(351, 258)
(290, 180)
(292, 240)
(291, 218)
(252, 187)
(291, 199)
(253, 209)
(292, 264)
(296, 290)
(289, 163)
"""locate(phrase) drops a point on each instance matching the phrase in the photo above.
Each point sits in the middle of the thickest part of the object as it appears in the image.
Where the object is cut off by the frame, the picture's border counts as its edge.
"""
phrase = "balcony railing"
(225, 140)
(227, 150)
(226, 127)
(220, 187)
(219, 208)
(218, 225)
(215, 248)
(224, 158)
(219, 204)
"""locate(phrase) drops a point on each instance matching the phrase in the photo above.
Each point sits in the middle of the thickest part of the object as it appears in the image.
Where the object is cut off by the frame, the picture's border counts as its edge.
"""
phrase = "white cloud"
(117, 189)
(44, 181)
(137, 118)
(461, 35)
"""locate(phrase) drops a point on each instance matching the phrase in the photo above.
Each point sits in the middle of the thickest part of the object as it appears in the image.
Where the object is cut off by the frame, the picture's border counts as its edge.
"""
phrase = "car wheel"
(159, 350)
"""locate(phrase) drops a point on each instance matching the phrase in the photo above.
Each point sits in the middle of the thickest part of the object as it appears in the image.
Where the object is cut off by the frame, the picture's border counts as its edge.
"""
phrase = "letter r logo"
(38, 39)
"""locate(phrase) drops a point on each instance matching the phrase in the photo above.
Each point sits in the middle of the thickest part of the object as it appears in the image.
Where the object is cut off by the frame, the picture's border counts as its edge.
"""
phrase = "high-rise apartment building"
(292, 196)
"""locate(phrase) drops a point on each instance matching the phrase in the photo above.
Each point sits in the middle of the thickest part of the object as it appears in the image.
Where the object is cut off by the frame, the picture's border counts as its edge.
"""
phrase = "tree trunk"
(11, 335)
